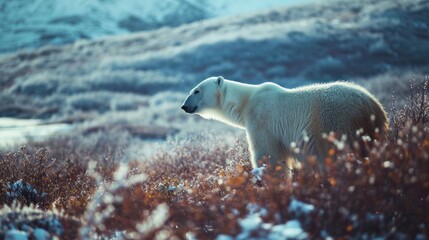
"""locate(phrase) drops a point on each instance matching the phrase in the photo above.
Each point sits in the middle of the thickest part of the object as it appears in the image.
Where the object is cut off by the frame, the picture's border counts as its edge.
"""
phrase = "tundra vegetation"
(72, 189)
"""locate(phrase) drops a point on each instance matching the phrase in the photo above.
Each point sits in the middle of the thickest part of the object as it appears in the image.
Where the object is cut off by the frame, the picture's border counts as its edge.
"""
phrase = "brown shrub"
(414, 112)
(384, 194)
(53, 178)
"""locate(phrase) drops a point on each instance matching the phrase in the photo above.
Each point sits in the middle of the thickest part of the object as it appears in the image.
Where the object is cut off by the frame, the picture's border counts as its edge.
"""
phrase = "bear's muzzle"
(189, 109)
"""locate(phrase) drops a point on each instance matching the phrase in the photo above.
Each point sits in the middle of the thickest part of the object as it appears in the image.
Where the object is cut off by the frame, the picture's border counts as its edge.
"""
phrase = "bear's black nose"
(185, 108)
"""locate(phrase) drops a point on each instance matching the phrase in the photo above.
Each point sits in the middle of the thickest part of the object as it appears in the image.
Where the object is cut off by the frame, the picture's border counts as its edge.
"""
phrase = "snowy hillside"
(29, 24)
(37, 23)
(137, 82)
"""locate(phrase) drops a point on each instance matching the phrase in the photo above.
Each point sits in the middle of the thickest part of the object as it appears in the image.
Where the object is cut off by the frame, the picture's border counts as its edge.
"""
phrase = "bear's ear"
(219, 81)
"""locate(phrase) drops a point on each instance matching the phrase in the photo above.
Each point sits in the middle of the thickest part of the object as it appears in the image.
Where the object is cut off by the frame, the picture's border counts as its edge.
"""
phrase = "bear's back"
(345, 108)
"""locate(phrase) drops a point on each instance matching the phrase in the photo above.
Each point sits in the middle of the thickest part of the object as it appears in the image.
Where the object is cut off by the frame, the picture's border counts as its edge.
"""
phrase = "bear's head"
(205, 99)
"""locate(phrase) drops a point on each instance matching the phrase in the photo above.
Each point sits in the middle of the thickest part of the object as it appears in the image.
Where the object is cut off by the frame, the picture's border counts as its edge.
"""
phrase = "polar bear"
(276, 118)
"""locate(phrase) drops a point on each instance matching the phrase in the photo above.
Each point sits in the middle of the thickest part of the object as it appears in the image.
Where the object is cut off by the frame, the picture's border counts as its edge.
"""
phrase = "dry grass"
(416, 109)
(191, 191)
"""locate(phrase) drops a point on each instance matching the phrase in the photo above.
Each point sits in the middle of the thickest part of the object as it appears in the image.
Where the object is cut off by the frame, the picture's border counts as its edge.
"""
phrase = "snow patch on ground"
(17, 131)
(300, 208)
(259, 172)
(253, 226)
(19, 189)
(16, 235)
(29, 222)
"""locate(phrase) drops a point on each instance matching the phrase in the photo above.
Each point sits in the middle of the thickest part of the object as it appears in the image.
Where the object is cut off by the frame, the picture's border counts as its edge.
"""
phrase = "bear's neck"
(234, 106)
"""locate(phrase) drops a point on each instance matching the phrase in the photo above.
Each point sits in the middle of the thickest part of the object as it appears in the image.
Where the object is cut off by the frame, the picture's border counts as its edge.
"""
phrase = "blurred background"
(122, 68)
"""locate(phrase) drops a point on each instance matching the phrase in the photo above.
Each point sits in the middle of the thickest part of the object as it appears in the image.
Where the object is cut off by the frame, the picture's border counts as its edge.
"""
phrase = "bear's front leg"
(260, 148)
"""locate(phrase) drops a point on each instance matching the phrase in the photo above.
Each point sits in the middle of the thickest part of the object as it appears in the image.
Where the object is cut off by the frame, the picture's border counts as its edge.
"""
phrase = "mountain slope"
(32, 24)
(38, 23)
(291, 46)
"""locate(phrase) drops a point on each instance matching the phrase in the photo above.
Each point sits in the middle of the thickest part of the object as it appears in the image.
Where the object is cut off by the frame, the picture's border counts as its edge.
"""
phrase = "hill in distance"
(140, 80)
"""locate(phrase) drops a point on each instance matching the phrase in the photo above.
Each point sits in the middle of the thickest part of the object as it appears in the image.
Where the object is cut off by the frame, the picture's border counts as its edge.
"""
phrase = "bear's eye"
(197, 91)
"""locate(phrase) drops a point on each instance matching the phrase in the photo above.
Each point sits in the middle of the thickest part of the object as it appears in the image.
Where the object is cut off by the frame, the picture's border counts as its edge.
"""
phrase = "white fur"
(276, 117)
